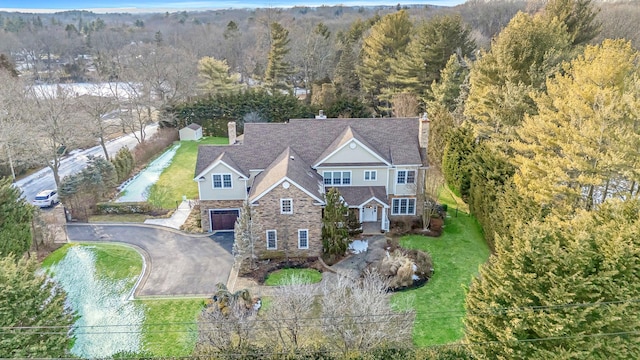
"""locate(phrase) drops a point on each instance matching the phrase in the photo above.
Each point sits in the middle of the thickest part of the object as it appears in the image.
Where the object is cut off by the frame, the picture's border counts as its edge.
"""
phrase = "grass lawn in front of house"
(170, 327)
(177, 179)
(439, 304)
(283, 276)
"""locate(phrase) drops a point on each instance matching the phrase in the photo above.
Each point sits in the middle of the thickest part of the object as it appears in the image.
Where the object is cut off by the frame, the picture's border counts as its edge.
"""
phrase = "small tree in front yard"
(245, 237)
(433, 183)
(335, 234)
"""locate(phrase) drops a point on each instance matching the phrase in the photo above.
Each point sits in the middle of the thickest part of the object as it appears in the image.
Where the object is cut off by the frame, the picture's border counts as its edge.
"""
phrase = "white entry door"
(370, 214)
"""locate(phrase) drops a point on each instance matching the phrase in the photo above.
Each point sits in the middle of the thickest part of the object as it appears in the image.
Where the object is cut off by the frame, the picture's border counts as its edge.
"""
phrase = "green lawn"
(169, 328)
(283, 276)
(439, 304)
(177, 179)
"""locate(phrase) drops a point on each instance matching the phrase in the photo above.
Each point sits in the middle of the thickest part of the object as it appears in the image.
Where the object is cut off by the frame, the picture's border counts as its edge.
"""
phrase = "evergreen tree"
(16, 215)
(582, 147)
(380, 49)
(335, 234)
(447, 91)
(345, 76)
(579, 16)
(35, 322)
(245, 236)
(429, 52)
(441, 122)
(457, 160)
(277, 68)
(561, 290)
(523, 55)
(215, 76)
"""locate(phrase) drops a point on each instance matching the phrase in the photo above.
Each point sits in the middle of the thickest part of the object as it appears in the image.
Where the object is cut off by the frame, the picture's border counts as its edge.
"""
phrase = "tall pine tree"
(561, 290)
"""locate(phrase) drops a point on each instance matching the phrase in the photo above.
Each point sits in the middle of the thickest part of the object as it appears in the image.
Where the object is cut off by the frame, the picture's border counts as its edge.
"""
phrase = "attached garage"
(223, 220)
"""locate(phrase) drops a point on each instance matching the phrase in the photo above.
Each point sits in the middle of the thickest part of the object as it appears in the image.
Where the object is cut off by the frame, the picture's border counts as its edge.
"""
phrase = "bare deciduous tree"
(357, 315)
(290, 315)
(55, 125)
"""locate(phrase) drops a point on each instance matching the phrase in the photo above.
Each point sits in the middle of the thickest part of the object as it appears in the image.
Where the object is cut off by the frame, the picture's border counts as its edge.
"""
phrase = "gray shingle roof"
(394, 139)
(288, 164)
(357, 195)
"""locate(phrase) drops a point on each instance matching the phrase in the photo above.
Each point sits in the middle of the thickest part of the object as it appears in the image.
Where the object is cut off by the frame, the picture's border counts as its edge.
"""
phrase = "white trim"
(299, 231)
(406, 176)
(267, 239)
(282, 206)
(221, 209)
(399, 205)
(371, 172)
(222, 187)
(346, 144)
(292, 182)
(341, 177)
(319, 168)
(376, 199)
(214, 164)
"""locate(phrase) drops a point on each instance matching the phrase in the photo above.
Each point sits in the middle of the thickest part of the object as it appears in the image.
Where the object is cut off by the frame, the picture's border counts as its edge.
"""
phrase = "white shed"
(191, 132)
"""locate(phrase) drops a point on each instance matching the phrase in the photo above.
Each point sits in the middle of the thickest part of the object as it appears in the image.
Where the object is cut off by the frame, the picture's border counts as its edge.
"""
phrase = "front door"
(370, 214)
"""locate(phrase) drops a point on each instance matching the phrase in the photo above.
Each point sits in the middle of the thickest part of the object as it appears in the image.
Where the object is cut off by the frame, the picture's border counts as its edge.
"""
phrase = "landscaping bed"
(264, 268)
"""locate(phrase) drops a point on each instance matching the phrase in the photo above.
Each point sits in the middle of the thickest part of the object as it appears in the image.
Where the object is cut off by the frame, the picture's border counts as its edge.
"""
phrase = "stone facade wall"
(419, 208)
(206, 205)
(266, 216)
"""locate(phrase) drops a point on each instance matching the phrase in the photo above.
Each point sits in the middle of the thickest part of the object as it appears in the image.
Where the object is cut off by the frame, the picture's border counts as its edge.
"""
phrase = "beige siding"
(404, 189)
(306, 215)
(358, 154)
(238, 191)
(357, 175)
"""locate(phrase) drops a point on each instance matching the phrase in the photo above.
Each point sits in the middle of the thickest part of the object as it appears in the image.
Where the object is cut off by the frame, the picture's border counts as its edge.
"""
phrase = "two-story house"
(284, 169)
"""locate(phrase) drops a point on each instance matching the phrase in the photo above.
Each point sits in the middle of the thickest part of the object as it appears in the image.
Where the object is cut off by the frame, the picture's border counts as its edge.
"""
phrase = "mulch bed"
(266, 267)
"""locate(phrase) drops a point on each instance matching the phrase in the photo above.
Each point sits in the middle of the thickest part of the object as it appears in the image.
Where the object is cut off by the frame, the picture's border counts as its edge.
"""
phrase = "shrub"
(144, 151)
(113, 208)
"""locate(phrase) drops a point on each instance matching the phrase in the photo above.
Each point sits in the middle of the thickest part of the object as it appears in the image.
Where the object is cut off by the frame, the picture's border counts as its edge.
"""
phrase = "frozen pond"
(137, 189)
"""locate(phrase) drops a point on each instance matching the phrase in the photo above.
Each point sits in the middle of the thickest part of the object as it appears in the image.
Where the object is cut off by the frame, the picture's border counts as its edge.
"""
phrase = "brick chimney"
(423, 131)
(231, 130)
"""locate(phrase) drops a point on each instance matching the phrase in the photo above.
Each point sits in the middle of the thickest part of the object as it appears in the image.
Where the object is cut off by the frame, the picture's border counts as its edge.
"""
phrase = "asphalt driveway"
(177, 264)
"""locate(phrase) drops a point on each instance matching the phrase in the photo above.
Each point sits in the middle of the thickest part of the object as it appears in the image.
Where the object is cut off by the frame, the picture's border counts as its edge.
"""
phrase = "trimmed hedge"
(113, 208)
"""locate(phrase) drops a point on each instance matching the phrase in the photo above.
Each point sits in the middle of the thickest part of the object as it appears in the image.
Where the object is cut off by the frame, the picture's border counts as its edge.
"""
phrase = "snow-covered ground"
(359, 246)
(137, 188)
(108, 322)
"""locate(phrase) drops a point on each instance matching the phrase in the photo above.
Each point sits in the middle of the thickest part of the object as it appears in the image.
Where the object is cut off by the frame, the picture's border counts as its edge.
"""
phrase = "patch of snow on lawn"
(137, 189)
(107, 322)
(359, 246)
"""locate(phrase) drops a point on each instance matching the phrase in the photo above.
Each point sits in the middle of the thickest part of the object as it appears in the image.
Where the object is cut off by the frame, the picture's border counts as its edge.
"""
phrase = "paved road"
(74, 163)
(177, 264)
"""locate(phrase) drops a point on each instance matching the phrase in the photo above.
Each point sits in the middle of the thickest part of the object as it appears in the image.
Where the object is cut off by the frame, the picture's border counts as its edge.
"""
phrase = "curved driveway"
(177, 264)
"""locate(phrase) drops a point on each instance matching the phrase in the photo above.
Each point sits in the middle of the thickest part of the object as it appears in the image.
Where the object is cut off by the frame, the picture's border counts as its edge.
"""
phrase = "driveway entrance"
(177, 264)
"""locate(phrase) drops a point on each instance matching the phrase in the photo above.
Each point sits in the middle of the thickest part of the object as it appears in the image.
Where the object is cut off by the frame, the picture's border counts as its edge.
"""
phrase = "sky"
(101, 6)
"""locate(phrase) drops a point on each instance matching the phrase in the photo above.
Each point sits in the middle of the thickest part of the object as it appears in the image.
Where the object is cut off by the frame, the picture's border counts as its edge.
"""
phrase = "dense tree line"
(539, 143)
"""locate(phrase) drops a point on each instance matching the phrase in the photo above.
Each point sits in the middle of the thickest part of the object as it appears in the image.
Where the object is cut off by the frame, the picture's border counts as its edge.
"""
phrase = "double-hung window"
(370, 175)
(403, 206)
(406, 177)
(272, 239)
(222, 181)
(303, 239)
(286, 206)
(337, 177)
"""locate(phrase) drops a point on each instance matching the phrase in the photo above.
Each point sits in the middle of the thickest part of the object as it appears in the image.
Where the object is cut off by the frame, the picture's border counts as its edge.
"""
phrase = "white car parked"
(46, 198)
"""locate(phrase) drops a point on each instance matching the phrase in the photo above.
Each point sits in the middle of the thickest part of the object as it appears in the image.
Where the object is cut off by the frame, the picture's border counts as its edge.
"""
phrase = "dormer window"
(222, 181)
(286, 206)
